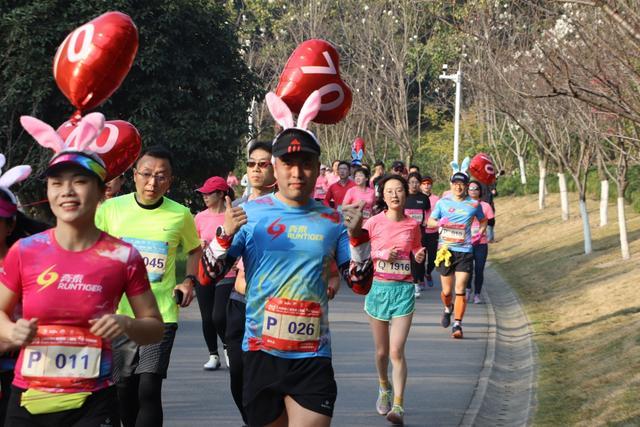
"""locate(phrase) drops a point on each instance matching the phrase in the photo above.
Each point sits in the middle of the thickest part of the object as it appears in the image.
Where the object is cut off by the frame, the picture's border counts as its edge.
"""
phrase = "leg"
(223, 290)
(300, 416)
(480, 253)
(380, 331)
(206, 300)
(400, 327)
(150, 398)
(127, 389)
(431, 243)
(235, 332)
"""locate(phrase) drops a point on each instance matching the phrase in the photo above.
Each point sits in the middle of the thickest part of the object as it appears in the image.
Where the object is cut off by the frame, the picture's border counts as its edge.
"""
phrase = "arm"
(357, 268)
(187, 285)
(215, 259)
(18, 333)
(328, 197)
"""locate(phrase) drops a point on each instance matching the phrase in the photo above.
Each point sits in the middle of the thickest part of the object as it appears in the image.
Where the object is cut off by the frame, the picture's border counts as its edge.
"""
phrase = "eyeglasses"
(474, 189)
(263, 164)
(391, 191)
(160, 179)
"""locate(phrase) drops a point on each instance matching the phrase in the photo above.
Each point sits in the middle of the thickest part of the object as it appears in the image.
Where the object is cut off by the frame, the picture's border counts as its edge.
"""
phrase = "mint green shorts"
(388, 299)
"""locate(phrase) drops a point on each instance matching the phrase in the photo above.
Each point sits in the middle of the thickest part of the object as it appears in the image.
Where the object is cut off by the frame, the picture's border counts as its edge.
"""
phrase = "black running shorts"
(460, 261)
(268, 379)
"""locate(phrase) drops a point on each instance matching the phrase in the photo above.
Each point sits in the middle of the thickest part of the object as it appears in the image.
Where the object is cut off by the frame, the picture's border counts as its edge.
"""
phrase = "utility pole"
(457, 79)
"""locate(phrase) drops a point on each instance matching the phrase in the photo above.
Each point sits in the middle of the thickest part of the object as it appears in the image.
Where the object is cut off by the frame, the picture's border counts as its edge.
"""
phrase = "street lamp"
(457, 79)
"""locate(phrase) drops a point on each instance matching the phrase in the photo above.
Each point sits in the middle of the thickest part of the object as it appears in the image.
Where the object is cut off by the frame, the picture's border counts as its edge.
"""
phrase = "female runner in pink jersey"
(70, 279)
(395, 240)
(361, 191)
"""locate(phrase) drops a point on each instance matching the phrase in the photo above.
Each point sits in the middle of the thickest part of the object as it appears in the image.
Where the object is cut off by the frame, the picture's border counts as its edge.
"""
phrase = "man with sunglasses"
(156, 226)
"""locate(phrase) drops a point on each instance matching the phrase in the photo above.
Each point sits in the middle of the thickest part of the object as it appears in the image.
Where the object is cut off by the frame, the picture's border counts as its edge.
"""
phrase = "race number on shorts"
(154, 253)
(61, 352)
(291, 325)
(453, 233)
(398, 269)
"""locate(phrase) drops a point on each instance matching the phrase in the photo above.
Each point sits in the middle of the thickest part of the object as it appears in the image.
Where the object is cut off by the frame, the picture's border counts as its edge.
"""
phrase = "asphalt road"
(443, 372)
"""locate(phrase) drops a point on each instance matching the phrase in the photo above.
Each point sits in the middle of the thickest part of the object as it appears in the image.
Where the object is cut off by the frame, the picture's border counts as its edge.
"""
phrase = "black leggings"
(212, 300)
(236, 311)
(480, 253)
(140, 400)
(6, 378)
(430, 241)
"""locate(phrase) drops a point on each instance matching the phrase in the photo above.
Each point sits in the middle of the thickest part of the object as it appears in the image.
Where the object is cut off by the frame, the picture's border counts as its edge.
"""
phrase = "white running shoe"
(416, 291)
(226, 357)
(477, 299)
(213, 364)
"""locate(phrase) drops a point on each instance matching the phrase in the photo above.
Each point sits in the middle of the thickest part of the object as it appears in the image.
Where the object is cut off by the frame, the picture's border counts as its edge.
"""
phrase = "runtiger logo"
(47, 278)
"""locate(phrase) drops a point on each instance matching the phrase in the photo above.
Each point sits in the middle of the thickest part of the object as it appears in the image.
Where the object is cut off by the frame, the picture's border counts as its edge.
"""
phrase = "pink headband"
(7, 209)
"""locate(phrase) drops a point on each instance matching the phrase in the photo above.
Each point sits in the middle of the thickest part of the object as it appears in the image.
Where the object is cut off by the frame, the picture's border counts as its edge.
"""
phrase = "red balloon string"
(76, 117)
(39, 202)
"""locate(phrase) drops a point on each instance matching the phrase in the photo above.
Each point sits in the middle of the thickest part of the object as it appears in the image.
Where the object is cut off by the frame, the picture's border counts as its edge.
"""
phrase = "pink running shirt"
(207, 223)
(475, 227)
(65, 289)
(405, 235)
(321, 188)
(355, 194)
(433, 199)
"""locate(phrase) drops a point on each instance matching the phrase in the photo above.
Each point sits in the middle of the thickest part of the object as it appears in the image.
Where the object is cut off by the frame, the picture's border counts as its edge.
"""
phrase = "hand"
(203, 243)
(393, 254)
(110, 326)
(352, 215)
(24, 331)
(187, 292)
(234, 218)
(420, 255)
(443, 221)
(476, 238)
(331, 292)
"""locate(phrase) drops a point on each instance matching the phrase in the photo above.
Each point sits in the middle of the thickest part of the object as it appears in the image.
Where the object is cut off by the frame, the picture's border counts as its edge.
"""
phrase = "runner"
(430, 235)
(114, 186)
(260, 172)
(417, 206)
(156, 226)
(212, 299)
(333, 176)
(322, 184)
(286, 241)
(397, 168)
(84, 272)
(481, 248)
(395, 240)
(454, 216)
(378, 173)
(337, 190)
(361, 191)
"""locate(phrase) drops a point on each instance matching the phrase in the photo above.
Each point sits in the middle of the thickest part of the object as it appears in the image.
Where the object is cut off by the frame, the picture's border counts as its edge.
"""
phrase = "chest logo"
(47, 278)
(275, 229)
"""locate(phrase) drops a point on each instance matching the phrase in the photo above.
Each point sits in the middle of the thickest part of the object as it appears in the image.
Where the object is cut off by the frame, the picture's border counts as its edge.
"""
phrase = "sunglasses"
(473, 189)
(261, 164)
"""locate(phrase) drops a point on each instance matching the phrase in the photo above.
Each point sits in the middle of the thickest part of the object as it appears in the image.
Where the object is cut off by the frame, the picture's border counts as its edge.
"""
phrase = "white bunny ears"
(462, 169)
(12, 176)
(283, 115)
(81, 139)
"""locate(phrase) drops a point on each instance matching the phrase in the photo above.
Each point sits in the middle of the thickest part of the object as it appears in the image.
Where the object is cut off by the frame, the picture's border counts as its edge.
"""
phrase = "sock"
(460, 307)
(397, 401)
(446, 300)
(384, 385)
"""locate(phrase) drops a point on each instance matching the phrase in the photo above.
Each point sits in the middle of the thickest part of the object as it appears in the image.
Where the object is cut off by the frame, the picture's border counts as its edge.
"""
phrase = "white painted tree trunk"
(586, 230)
(523, 172)
(604, 202)
(564, 196)
(542, 187)
(622, 226)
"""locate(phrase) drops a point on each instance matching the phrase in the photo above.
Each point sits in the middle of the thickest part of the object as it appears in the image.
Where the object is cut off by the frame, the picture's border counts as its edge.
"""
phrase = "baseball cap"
(397, 165)
(460, 176)
(294, 140)
(215, 183)
(427, 178)
(86, 160)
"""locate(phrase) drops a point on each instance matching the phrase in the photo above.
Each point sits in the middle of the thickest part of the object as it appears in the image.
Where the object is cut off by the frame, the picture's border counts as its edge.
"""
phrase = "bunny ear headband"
(296, 138)
(10, 177)
(460, 172)
(79, 147)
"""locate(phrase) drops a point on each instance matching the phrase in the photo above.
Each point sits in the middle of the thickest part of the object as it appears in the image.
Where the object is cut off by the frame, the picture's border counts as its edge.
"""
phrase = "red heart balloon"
(315, 65)
(94, 59)
(482, 169)
(119, 144)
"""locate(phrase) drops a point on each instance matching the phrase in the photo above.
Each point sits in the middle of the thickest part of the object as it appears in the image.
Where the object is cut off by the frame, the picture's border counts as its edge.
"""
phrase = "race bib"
(452, 233)
(320, 192)
(398, 269)
(60, 355)
(154, 253)
(416, 214)
(366, 213)
(291, 325)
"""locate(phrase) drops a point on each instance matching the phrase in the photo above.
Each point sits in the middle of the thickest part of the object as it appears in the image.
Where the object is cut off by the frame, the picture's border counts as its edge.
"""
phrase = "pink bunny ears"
(283, 115)
(80, 140)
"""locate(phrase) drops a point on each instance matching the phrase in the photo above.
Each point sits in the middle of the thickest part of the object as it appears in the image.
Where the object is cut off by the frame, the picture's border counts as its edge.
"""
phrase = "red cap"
(215, 183)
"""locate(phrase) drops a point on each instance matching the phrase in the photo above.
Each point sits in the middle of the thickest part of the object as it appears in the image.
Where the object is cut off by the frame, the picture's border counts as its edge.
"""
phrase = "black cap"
(397, 165)
(460, 176)
(294, 140)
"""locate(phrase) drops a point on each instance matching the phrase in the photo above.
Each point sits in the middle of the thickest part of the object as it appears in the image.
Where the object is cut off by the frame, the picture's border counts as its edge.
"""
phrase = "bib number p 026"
(291, 325)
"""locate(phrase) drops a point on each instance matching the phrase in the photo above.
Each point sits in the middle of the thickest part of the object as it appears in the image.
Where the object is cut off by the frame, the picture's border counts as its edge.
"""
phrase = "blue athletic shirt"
(456, 234)
(287, 252)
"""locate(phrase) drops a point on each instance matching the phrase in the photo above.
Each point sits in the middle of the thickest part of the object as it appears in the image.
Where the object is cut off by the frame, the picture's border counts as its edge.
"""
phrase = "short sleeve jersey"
(456, 234)
(156, 234)
(61, 287)
(417, 207)
(385, 234)
(475, 227)
(356, 194)
(207, 223)
(287, 252)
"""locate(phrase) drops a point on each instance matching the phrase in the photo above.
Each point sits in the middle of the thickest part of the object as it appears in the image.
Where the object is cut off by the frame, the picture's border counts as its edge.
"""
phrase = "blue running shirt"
(287, 252)
(456, 234)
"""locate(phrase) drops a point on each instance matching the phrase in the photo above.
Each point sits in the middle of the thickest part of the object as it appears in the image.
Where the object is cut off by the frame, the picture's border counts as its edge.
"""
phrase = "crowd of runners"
(89, 308)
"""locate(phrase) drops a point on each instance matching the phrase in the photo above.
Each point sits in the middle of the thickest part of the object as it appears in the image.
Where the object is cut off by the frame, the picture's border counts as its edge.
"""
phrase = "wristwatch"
(220, 232)
(191, 277)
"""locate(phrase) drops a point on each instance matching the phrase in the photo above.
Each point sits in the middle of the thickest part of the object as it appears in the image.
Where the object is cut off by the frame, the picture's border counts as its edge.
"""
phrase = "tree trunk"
(542, 186)
(604, 202)
(586, 229)
(564, 196)
(523, 173)
(622, 226)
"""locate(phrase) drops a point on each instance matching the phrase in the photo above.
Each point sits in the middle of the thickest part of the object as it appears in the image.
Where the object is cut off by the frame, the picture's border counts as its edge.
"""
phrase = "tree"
(188, 88)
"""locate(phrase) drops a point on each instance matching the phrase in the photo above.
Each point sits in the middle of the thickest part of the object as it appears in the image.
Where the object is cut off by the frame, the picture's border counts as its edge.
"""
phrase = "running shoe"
(416, 291)
(477, 299)
(383, 404)
(396, 416)
(213, 364)
(226, 357)
(445, 321)
(456, 330)
(429, 280)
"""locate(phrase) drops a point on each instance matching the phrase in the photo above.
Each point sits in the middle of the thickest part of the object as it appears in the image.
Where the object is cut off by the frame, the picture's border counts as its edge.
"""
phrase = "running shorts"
(100, 409)
(130, 358)
(389, 299)
(460, 261)
(268, 379)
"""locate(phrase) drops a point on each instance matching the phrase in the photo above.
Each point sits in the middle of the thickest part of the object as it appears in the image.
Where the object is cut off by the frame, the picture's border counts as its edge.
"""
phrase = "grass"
(584, 309)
